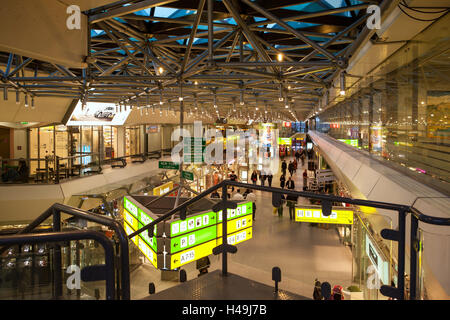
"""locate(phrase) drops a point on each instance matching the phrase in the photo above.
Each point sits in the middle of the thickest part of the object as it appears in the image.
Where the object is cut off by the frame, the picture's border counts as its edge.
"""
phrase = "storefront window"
(132, 141)
(86, 144)
(110, 141)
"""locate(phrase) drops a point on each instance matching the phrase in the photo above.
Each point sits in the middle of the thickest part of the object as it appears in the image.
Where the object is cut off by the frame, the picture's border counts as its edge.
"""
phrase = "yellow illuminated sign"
(132, 221)
(147, 251)
(129, 230)
(236, 224)
(195, 253)
(315, 215)
(238, 237)
(163, 189)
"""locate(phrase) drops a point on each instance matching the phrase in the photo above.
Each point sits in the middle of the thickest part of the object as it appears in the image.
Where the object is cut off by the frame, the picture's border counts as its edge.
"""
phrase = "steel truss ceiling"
(278, 56)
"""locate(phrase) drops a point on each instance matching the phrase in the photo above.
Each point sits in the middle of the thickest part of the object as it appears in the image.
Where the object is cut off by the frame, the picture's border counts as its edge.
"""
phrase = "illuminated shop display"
(177, 242)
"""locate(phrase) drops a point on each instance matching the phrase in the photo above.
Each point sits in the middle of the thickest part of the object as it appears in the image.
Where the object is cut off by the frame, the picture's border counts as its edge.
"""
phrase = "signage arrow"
(175, 244)
(175, 261)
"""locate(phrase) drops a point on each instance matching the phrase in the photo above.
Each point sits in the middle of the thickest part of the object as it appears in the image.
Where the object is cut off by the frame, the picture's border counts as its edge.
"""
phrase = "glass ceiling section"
(323, 5)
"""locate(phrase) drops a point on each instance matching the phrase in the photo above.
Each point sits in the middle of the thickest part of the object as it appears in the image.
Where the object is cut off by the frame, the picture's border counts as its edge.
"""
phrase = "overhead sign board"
(177, 242)
(285, 141)
(168, 165)
(97, 114)
(187, 175)
(315, 215)
(162, 189)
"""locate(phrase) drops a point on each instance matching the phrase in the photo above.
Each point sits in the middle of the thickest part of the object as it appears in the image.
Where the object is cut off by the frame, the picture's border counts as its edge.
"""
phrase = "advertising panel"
(97, 114)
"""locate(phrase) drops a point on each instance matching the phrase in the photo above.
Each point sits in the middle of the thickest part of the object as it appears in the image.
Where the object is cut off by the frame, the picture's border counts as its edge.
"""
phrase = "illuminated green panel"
(189, 240)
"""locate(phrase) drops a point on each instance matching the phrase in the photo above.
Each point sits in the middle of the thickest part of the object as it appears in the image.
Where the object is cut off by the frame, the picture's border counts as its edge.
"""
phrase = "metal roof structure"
(268, 58)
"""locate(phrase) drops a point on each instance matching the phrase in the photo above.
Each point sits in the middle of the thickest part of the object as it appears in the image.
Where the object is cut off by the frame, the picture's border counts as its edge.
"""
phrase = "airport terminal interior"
(129, 127)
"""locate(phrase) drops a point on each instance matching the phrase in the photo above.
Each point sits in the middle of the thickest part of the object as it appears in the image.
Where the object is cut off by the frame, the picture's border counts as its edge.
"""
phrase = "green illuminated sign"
(187, 175)
(168, 165)
(179, 242)
(192, 239)
(192, 223)
(352, 142)
(285, 141)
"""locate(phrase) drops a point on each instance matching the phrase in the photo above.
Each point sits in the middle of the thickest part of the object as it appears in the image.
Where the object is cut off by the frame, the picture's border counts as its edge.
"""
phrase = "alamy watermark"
(374, 20)
(73, 22)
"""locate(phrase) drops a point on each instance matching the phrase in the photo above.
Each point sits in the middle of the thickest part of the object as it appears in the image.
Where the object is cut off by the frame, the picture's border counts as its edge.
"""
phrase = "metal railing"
(58, 168)
(121, 250)
(55, 237)
(326, 202)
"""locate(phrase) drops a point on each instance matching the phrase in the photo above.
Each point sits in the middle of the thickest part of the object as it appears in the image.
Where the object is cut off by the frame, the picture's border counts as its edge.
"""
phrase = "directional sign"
(187, 175)
(192, 239)
(236, 225)
(148, 252)
(162, 189)
(168, 165)
(192, 223)
(195, 253)
(315, 215)
(242, 209)
(238, 237)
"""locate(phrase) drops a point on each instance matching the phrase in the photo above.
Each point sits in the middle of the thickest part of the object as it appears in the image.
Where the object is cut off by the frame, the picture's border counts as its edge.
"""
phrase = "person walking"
(294, 162)
(282, 181)
(263, 178)
(317, 293)
(269, 179)
(280, 208)
(233, 177)
(302, 156)
(251, 197)
(305, 180)
(283, 167)
(291, 168)
(297, 155)
(254, 177)
(291, 200)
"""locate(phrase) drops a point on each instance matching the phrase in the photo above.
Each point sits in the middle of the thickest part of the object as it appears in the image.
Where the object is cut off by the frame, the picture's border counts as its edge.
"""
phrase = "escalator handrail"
(106, 243)
(113, 224)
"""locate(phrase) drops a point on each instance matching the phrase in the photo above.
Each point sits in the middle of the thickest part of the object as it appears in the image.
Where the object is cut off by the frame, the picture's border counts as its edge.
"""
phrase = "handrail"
(55, 210)
(69, 236)
(377, 204)
(395, 235)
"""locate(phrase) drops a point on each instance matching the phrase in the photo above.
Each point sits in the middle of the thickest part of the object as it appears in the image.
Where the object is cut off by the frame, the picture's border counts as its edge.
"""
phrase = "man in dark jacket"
(291, 168)
(283, 167)
(269, 179)
(291, 200)
(282, 181)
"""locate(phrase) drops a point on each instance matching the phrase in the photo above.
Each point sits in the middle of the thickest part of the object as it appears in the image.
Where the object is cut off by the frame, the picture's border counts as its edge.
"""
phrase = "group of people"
(335, 294)
(262, 178)
(21, 174)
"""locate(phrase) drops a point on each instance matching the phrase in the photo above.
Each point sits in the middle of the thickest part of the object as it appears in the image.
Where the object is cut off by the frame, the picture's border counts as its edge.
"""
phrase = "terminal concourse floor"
(303, 253)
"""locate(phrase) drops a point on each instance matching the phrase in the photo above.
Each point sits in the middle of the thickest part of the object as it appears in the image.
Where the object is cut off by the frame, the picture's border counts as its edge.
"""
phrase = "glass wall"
(402, 113)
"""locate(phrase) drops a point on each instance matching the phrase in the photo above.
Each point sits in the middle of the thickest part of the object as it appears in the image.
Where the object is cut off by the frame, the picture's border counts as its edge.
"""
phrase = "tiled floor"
(302, 252)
